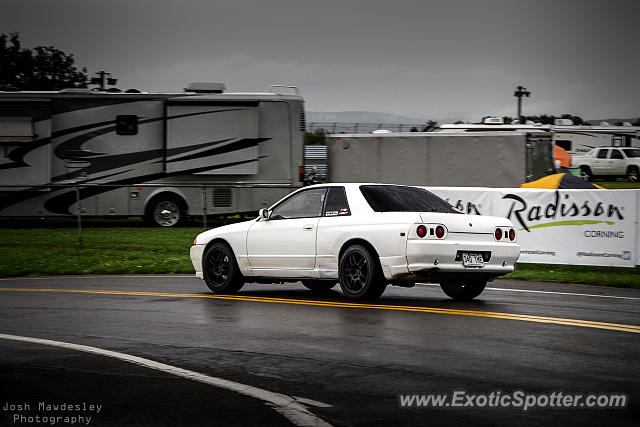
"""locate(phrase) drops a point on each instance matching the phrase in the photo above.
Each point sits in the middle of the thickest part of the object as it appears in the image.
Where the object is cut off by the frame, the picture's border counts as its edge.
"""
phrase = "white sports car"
(364, 236)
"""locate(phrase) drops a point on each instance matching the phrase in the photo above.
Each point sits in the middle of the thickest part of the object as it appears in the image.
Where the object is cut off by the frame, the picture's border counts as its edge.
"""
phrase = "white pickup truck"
(609, 161)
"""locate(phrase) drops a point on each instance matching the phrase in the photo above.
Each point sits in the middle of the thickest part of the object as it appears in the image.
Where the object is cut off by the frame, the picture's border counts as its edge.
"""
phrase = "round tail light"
(421, 231)
(512, 234)
(439, 232)
(498, 234)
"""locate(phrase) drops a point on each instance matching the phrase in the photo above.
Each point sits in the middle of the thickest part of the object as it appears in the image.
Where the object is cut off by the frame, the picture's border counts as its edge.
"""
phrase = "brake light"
(498, 234)
(421, 231)
(512, 234)
(301, 173)
(439, 232)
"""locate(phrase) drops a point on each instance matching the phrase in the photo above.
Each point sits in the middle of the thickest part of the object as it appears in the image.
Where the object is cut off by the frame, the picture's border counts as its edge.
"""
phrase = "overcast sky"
(425, 59)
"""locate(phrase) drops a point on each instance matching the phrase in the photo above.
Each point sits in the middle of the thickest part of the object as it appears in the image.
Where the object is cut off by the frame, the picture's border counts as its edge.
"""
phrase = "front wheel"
(463, 291)
(165, 210)
(360, 274)
(632, 174)
(220, 269)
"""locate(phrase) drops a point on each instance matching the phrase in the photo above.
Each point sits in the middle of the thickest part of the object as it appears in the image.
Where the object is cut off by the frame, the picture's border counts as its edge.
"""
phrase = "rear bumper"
(195, 253)
(432, 260)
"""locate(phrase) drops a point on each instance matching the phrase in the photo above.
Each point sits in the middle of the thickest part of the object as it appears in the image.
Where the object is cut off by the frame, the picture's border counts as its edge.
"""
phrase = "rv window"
(564, 143)
(16, 129)
(127, 125)
(602, 154)
(616, 154)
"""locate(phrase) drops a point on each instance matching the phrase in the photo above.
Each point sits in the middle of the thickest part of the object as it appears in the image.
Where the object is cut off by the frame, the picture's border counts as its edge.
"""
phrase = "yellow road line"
(495, 315)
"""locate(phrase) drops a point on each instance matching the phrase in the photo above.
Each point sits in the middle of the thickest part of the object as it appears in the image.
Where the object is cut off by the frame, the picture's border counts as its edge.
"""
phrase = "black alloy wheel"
(360, 274)
(220, 269)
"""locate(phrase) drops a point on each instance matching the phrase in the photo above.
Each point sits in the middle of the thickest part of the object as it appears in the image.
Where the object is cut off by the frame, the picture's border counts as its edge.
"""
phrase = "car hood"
(206, 236)
(462, 223)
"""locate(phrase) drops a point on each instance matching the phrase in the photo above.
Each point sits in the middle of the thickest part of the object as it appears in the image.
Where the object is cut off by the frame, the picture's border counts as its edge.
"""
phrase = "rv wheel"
(165, 210)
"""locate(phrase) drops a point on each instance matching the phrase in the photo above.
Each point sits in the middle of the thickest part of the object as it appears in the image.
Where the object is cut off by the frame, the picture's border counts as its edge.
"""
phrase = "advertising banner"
(582, 227)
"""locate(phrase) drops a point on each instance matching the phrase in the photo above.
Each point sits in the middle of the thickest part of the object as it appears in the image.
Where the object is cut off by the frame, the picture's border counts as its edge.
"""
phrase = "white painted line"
(545, 292)
(285, 405)
(312, 402)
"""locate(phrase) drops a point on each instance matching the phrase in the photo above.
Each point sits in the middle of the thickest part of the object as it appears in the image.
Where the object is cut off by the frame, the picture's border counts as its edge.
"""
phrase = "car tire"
(585, 173)
(319, 286)
(220, 269)
(463, 291)
(633, 174)
(360, 274)
(165, 210)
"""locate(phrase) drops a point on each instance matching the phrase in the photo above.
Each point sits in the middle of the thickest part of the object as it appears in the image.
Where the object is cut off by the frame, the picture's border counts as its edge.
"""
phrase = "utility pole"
(519, 93)
(102, 77)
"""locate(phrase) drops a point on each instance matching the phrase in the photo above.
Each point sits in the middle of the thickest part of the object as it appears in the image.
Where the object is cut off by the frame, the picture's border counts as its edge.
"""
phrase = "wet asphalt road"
(347, 365)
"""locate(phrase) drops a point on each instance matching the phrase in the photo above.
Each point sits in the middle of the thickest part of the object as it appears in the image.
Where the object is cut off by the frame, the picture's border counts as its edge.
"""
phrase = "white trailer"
(575, 139)
(482, 159)
(159, 155)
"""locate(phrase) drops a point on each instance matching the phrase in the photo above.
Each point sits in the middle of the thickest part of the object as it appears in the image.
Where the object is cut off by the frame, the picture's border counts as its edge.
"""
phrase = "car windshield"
(395, 198)
(632, 152)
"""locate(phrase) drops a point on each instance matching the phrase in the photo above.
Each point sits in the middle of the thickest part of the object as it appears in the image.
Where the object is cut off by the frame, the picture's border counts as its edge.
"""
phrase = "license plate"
(472, 260)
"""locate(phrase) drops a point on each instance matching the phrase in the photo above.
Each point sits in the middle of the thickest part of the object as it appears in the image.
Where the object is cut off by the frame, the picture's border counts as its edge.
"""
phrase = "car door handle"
(308, 227)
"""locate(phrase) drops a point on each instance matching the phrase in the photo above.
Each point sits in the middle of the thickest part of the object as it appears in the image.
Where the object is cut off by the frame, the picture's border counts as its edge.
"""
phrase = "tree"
(43, 68)
(318, 137)
(431, 124)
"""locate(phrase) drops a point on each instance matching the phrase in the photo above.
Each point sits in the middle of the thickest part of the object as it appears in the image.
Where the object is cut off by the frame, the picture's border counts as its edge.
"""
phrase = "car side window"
(336, 204)
(602, 154)
(616, 154)
(306, 204)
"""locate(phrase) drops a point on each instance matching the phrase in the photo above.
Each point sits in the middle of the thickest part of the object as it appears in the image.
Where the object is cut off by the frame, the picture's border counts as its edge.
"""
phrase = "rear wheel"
(318, 286)
(360, 274)
(463, 291)
(633, 175)
(221, 272)
(585, 173)
(165, 210)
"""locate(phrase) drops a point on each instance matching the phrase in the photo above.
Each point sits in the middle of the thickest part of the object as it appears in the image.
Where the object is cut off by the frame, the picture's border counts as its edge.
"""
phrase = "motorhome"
(159, 155)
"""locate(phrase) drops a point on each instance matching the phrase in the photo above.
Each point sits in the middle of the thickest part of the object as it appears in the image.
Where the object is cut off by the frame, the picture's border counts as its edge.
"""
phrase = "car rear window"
(396, 198)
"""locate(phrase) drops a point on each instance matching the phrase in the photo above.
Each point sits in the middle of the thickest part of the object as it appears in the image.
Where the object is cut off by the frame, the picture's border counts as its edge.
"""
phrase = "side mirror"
(264, 214)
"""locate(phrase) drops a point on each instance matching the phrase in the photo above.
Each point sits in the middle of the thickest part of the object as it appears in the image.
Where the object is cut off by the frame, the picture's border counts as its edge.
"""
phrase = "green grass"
(113, 250)
(127, 249)
(618, 185)
(590, 275)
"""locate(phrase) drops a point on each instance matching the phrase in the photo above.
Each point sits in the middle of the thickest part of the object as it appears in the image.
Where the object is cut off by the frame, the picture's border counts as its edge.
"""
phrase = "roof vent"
(563, 122)
(493, 121)
(205, 87)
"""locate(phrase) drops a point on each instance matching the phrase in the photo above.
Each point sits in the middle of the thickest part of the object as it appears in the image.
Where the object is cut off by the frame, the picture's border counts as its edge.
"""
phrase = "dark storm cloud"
(429, 59)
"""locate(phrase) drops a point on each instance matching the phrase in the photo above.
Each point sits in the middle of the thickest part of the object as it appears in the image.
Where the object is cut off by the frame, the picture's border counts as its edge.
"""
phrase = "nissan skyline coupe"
(362, 236)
